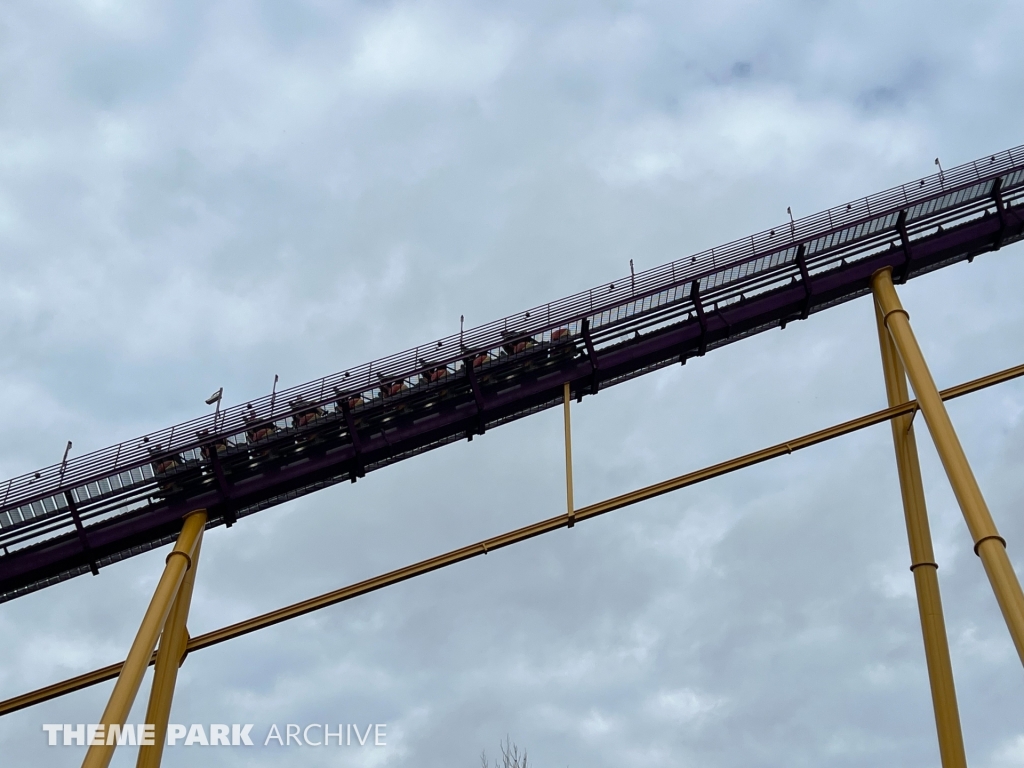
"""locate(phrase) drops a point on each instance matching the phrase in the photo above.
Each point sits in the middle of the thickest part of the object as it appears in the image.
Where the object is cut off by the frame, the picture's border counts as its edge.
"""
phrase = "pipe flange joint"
(983, 539)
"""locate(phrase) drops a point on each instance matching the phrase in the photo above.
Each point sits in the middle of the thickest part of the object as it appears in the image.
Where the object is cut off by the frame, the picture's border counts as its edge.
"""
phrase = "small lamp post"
(215, 398)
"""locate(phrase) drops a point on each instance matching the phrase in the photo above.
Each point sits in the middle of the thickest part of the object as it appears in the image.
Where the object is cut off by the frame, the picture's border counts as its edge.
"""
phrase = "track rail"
(79, 516)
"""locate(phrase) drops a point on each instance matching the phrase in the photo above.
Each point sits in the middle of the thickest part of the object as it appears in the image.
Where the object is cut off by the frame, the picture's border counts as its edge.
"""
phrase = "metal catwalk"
(90, 511)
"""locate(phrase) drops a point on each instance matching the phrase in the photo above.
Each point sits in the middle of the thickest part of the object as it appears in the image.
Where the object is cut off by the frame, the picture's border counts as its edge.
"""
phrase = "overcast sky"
(196, 195)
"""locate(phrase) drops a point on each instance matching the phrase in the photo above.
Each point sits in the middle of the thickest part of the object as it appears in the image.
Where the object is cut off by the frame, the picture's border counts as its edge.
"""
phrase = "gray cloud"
(202, 195)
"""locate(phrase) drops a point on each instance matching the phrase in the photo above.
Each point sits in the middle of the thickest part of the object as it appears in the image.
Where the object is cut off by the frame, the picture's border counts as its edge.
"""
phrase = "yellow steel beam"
(988, 544)
(134, 667)
(512, 537)
(569, 505)
(922, 559)
(169, 657)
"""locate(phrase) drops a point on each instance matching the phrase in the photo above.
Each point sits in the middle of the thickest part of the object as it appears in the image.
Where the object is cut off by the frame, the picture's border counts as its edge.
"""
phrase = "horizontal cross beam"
(511, 537)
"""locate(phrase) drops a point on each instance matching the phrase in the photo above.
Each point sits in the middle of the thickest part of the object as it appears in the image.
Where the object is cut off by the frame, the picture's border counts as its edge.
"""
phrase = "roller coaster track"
(102, 507)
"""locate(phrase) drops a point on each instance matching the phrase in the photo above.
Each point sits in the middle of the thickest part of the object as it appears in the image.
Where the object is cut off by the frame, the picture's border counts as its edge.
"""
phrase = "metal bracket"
(913, 414)
(222, 486)
(997, 195)
(725, 321)
(477, 396)
(701, 318)
(80, 529)
(591, 355)
(357, 444)
(805, 277)
(901, 226)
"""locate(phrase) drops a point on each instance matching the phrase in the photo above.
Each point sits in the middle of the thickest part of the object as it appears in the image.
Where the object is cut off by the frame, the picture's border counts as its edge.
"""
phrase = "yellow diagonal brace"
(922, 559)
(988, 544)
(173, 642)
(130, 678)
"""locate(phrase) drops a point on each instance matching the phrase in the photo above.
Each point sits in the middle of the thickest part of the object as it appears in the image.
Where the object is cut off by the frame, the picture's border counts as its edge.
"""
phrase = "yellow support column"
(988, 544)
(922, 558)
(169, 656)
(128, 682)
(570, 506)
